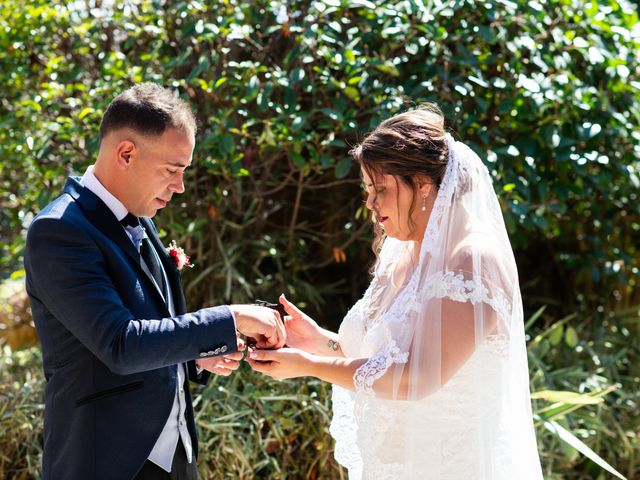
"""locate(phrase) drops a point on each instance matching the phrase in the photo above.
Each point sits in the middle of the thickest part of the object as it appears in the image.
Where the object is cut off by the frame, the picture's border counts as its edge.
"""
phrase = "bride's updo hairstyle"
(407, 145)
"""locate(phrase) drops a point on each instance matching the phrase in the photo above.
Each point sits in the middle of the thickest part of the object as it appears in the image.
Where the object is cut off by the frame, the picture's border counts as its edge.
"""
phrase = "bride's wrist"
(327, 343)
(311, 365)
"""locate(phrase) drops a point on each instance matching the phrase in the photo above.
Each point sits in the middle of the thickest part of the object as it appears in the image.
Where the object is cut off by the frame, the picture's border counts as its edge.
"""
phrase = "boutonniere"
(177, 254)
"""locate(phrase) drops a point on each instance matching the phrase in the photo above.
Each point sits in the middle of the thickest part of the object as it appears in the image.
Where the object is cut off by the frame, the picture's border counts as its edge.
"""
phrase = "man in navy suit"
(117, 345)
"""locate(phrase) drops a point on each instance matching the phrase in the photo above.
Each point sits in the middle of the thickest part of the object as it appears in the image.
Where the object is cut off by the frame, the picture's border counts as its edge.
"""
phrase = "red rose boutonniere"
(178, 256)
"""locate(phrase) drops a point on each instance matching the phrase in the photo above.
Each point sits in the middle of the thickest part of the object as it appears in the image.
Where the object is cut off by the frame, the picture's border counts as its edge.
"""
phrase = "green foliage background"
(547, 93)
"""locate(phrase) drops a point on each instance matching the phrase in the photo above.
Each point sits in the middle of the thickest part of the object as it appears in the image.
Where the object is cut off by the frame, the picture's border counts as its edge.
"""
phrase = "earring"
(424, 202)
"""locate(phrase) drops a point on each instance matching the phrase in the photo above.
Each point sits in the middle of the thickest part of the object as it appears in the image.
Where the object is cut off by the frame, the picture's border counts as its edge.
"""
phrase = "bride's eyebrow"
(372, 184)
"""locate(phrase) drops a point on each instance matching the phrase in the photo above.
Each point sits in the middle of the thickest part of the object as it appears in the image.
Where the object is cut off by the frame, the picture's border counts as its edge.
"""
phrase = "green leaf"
(298, 159)
(388, 68)
(202, 66)
(343, 167)
(534, 317)
(555, 336)
(297, 75)
(571, 337)
(333, 114)
(352, 93)
(84, 112)
(566, 436)
(297, 123)
(572, 398)
(252, 88)
(226, 144)
(266, 137)
(18, 274)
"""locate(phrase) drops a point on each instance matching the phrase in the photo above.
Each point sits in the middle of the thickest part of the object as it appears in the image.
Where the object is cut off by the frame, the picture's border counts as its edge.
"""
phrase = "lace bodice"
(370, 440)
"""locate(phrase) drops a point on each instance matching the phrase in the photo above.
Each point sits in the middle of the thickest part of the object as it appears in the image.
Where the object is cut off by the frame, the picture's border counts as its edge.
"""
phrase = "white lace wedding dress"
(475, 425)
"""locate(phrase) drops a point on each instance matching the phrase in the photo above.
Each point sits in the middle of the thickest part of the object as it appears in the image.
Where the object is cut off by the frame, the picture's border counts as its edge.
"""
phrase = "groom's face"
(157, 171)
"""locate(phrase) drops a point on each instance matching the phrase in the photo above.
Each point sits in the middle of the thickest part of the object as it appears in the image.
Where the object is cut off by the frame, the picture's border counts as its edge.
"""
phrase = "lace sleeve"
(454, 285)
(377, 366)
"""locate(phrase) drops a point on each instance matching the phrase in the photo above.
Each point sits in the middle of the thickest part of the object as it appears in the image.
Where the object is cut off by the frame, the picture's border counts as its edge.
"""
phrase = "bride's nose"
(370, 203)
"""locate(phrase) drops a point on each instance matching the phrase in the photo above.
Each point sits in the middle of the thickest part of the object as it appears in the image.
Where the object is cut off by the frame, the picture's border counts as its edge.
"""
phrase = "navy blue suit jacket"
(110, 347)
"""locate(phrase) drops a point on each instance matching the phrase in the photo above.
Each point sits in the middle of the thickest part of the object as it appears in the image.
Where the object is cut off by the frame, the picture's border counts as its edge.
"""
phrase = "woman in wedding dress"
(429, 367)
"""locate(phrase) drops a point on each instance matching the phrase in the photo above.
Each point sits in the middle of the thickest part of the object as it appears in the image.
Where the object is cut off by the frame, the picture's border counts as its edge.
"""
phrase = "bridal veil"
(445, 391)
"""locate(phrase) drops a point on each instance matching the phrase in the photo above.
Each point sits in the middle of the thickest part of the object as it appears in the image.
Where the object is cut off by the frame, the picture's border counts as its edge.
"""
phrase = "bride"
(429, 368)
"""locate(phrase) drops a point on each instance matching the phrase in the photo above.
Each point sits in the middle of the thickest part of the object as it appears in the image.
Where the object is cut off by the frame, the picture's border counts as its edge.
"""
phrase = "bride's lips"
(382, 219)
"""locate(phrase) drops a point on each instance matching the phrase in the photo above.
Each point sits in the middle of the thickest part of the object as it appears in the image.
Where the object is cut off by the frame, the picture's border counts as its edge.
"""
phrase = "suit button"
(203, 354)
(223, 349)
(211, 352)
(216, 351)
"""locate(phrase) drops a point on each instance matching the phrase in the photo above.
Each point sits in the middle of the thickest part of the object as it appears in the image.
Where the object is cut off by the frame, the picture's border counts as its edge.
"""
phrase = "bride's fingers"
(266, 355)
(262, 367)
(233, 356)
(289, 307)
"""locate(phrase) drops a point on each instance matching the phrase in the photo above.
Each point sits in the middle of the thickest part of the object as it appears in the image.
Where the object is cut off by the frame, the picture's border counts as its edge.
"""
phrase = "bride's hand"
(301, 329)
(281, 364)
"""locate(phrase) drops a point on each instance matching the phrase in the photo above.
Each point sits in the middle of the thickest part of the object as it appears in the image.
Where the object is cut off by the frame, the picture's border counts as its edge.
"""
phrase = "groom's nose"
(177, 184)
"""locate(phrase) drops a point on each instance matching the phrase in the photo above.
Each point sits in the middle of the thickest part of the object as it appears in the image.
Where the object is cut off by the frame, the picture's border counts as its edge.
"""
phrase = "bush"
(21, 413)
(546, 92)
(252, 426)
(249, 426)
(548, 96)
(584, 378)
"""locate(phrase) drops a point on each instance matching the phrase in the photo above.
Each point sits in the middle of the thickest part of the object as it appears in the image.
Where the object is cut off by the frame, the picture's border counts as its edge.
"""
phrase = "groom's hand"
(261, 323)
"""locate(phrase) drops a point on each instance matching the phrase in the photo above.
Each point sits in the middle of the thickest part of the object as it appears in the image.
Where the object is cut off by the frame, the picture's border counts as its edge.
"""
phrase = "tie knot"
(130, 221)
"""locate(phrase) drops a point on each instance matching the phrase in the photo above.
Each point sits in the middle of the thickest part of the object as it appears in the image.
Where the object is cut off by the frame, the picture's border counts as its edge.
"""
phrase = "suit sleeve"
(66, 271)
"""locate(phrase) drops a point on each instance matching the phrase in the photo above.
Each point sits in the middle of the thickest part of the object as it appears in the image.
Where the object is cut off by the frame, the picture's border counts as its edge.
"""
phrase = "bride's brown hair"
(408, 145)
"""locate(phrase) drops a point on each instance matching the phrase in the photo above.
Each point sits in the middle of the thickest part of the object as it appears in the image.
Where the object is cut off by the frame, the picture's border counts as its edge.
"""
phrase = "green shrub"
(547, 94)
(21, 413)
(584, 376)
(252, 426)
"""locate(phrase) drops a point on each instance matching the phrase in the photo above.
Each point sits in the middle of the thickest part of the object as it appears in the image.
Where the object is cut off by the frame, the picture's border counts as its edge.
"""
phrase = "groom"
(107, 302)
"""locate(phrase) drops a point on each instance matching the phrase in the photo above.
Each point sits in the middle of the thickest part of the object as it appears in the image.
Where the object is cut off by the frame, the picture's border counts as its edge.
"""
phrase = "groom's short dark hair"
(148, 109)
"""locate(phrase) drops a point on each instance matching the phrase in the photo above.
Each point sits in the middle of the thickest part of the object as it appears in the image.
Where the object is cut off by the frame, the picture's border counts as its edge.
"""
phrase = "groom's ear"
(126, 150)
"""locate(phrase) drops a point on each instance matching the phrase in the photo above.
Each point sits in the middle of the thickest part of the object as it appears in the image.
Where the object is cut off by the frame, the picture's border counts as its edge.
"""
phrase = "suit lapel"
(103, 218)
(146, 270)
(175, 285)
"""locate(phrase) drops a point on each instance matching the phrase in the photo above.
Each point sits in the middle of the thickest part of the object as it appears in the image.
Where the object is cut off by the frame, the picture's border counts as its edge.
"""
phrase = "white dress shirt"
(176, 426)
